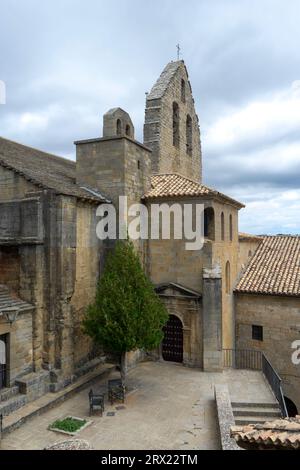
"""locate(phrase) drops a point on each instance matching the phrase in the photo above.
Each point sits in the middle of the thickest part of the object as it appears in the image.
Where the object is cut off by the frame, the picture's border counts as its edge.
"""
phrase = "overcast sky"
(66, 62)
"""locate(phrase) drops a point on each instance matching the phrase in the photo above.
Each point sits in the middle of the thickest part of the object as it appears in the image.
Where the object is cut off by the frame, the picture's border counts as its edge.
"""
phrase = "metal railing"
(275, 383)
(242, 359)
(256, 360)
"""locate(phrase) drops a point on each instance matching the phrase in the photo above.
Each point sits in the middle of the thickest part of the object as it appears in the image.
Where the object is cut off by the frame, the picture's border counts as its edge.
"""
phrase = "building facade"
(51, 258)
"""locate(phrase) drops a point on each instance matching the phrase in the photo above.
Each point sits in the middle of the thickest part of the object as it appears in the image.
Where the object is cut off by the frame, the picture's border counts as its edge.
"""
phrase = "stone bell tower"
(171, 127)
(115, 164)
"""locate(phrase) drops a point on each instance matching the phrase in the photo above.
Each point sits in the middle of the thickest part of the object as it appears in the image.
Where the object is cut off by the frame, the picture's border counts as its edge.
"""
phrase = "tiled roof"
(274, 269)
(175, 185)
(281, 433)
(160, 87)
(7, 301)
(45, 170)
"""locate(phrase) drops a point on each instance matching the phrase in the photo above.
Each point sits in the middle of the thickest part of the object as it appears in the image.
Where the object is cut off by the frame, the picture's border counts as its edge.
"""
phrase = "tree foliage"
(127, 313)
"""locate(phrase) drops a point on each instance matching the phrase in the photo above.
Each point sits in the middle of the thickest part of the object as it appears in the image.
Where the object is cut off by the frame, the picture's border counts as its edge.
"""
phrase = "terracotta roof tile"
(281, 433)
(274, 269)
(175, 185)
(45, 170)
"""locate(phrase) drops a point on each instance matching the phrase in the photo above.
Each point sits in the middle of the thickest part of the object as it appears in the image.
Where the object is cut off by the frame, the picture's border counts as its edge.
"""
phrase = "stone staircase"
(253, 413)
(11, 400)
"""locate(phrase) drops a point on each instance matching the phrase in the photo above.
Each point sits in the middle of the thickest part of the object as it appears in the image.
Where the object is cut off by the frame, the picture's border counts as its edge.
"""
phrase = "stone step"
(243, 420)
(89, 366)
(12, 404)
(7, 393)
(50, 400)
(273, 405)
(256, 411)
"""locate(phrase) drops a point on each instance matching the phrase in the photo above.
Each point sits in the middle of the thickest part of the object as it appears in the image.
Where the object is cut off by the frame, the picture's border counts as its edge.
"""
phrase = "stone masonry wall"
(10, 268)
(280, 319)
(20, 351)
(13, 186)
(88, 252)
(116, 167)
(224, 251)
(158, 131)
(247, 249)
(169, 261)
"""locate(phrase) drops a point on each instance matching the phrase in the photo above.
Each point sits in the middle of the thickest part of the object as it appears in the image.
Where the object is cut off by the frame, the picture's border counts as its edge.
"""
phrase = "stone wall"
(225, 417)
(55, 267)
(170, 261)
(280, 319)
(19, 344)
(10, 268)
(212, 319)
(13, 186)
(158, 130)
(117, 166)
(247, 248)
(223, 252)
(88, 264)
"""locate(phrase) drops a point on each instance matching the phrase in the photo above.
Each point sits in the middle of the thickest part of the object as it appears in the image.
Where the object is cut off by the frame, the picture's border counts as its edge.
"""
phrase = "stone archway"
(291, 407)
(172, 345)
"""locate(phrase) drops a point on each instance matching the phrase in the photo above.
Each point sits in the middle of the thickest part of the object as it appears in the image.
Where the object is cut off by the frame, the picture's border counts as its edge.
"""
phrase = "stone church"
(239, 291)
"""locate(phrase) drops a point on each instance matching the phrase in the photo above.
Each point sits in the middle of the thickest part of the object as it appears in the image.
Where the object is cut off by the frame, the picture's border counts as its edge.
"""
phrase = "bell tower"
(171, 127)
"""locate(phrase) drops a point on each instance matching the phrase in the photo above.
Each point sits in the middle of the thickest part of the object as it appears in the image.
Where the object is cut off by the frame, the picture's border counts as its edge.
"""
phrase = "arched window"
(222, 227)
(230, 228)
(227, 278)
(128, 130)
(119, 127)
(175, 124)
(183, 91)
(209, 223)
(249, 253)
(189, 135)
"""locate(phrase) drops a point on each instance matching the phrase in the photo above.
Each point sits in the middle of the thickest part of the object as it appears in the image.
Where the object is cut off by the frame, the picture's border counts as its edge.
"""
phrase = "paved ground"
(248, 386)
(168, 407)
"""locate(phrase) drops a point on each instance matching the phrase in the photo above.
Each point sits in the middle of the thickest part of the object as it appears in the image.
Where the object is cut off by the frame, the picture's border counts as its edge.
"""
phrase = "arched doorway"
(172, 345)
(291, 407)
(3, 356)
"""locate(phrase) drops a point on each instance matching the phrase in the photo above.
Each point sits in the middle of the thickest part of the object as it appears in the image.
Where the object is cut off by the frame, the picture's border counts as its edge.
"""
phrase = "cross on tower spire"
(178, 51)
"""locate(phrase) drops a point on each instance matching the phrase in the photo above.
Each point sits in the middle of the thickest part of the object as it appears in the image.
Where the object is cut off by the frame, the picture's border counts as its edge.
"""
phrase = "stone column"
(212, 319)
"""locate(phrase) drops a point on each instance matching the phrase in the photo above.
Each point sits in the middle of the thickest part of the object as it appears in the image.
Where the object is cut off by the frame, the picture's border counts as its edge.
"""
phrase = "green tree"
(127, 313)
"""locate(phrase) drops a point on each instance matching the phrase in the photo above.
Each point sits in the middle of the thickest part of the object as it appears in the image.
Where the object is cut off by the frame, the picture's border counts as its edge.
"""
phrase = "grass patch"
(68, 424)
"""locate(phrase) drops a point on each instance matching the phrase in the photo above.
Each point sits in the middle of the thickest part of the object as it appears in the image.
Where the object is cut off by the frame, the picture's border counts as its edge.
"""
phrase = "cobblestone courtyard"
(168, 407)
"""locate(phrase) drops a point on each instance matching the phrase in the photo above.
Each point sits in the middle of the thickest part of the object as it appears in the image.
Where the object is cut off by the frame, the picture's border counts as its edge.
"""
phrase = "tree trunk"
(123, 368)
